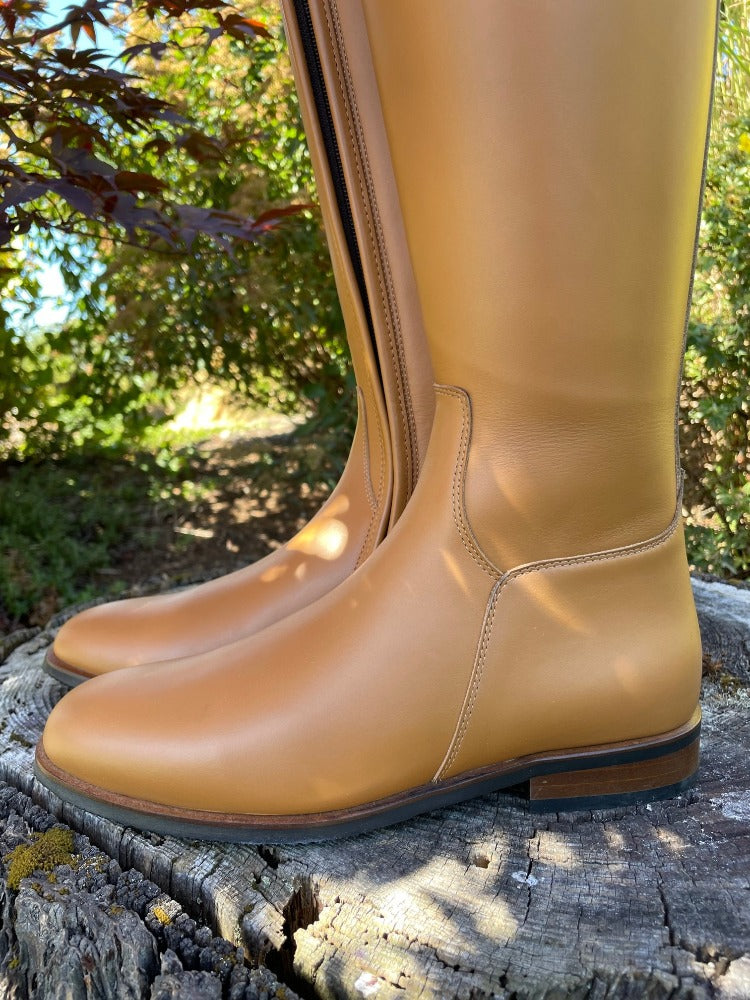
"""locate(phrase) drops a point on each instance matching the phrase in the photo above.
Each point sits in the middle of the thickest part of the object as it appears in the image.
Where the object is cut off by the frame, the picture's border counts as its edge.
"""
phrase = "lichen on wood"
(74, 925)
(45, 852)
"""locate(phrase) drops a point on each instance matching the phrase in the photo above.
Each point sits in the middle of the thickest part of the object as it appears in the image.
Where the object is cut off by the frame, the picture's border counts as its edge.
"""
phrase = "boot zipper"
(333, 155)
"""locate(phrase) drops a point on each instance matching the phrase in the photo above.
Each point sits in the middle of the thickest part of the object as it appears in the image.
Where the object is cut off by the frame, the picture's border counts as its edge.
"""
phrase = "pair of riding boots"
(496, 593)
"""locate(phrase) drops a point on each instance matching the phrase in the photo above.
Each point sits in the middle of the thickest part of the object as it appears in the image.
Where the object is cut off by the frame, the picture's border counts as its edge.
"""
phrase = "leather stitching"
(393, 314)
(472, 693)
(626, 550)
(372, 215)
(458, 505)
(374, 498)
(366, 451)
(381, 443)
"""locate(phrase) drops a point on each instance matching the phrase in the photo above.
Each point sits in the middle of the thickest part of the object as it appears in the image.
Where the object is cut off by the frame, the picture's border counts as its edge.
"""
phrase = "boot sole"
(595, 777)
(62, 672)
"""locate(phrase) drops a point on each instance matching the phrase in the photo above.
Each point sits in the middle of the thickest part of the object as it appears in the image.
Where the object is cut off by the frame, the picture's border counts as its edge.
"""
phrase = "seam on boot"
(366, 450)
(472, 691)
(458, 502)
(373, 498)
(372, 216)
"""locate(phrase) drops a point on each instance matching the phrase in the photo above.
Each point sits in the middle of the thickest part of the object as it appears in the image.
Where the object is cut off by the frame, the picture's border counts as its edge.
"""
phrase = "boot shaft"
(549, 158)
(359, 200)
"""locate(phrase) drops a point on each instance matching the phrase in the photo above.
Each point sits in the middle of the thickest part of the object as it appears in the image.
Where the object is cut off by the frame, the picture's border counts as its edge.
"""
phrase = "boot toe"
(93, 739)
(104, 638)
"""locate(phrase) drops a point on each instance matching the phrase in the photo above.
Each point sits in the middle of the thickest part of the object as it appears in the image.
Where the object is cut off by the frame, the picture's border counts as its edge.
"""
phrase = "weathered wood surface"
(481, 900)
(89, 929)
(724, 614)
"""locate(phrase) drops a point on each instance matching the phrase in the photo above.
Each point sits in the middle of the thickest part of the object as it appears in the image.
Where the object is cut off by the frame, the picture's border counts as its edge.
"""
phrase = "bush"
(260, 316)
(715, 407)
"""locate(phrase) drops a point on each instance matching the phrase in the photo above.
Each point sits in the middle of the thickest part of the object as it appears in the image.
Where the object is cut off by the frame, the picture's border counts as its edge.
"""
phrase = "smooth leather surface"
(386, 451)
(169, 626)
(605, 637)
(435, 655)
(406, 369)
(358, 696)
(314, 712)
(548, 155)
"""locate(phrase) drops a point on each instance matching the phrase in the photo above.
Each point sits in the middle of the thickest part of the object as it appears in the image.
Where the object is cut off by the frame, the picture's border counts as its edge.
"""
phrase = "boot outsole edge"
(596, 778)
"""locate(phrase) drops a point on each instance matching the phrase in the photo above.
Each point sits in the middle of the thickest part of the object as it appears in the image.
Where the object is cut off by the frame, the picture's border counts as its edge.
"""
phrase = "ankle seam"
(475, 681)
(458, 483)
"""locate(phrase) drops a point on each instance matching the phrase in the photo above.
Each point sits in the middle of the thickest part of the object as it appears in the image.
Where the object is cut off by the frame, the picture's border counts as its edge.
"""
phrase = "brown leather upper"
(360, 695)
(534, 595)
(554, 259)
(406, 369)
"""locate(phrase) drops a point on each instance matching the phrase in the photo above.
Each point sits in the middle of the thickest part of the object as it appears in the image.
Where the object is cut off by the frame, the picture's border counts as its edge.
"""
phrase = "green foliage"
(733, 69)
(65, 111)
(716, 407)
(181, 506)
(51, 400)
(265, 317)
(60, 524)
(262, 316)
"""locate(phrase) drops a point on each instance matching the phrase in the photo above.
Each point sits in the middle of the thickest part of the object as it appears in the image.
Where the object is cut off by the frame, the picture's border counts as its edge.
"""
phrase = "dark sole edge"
(169, 826)
(65, 677)
(397, 812)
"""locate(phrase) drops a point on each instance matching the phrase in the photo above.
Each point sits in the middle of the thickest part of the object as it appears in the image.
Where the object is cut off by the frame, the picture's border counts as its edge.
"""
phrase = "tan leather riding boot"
(395, 396)
(530, 616)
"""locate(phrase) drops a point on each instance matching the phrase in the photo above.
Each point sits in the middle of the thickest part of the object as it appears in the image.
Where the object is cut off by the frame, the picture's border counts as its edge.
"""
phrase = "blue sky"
(55, 304)
(56, 10)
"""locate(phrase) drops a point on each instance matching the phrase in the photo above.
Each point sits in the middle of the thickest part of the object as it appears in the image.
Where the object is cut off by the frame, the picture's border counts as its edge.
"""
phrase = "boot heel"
(631, 776)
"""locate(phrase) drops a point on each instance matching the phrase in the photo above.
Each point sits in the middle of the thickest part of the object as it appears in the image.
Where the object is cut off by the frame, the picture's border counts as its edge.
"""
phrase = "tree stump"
(474, 901)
